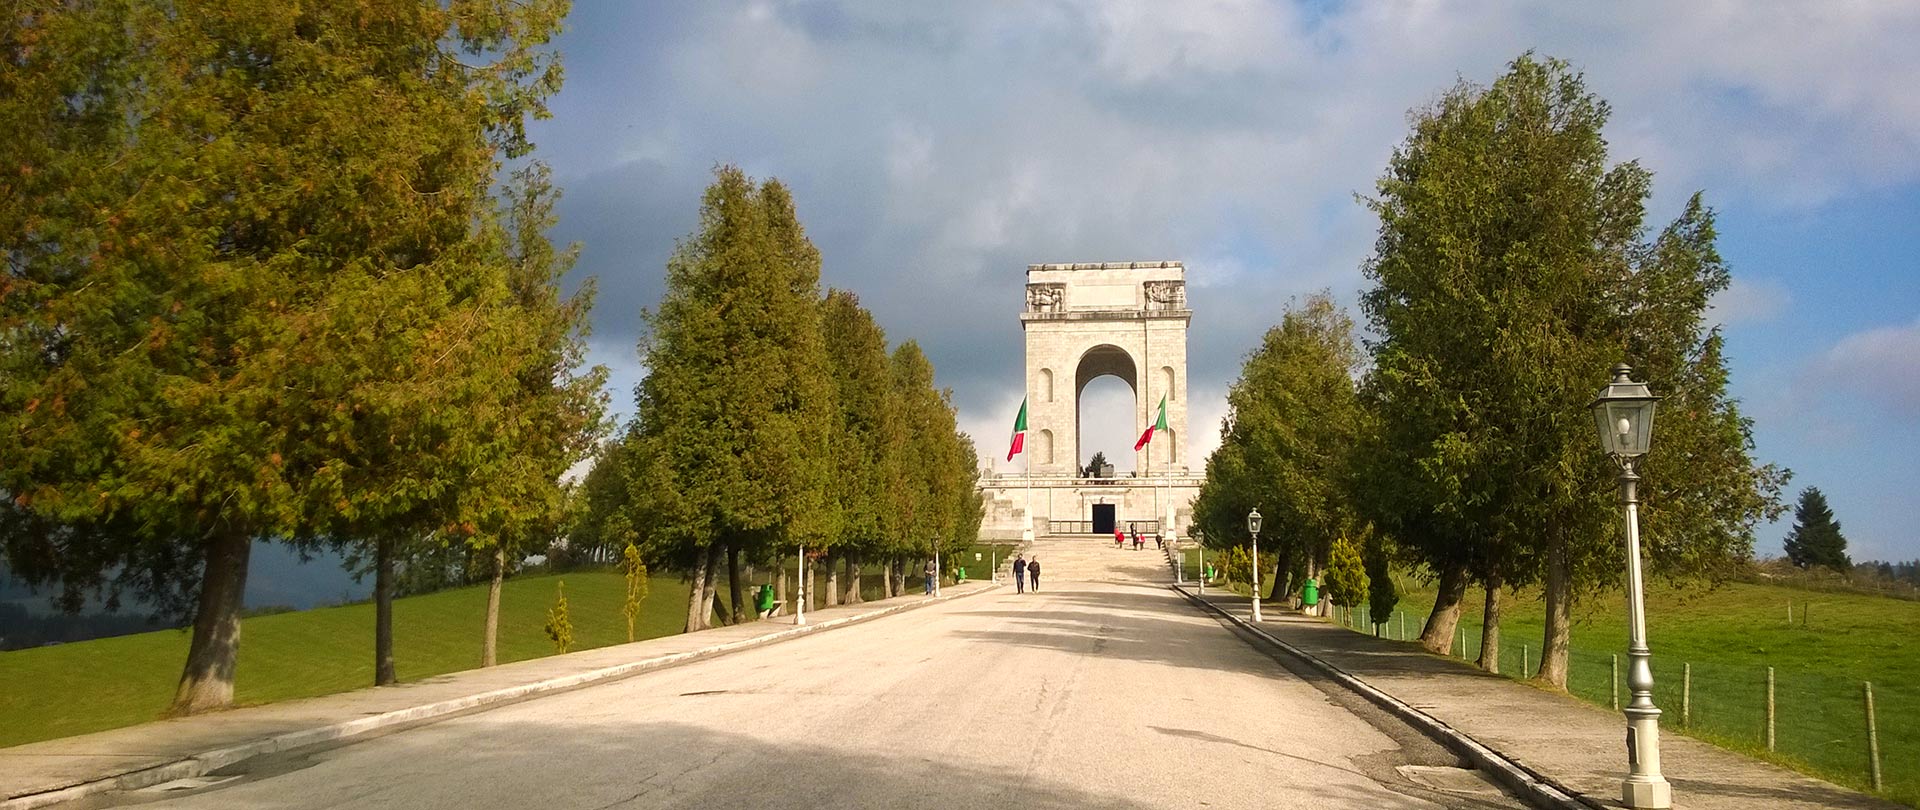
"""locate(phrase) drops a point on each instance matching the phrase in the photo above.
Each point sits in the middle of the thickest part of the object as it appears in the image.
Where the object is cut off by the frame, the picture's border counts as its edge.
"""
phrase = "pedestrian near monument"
(1033, 574)
(932, 572)
(1119, 537)
(1020, 574)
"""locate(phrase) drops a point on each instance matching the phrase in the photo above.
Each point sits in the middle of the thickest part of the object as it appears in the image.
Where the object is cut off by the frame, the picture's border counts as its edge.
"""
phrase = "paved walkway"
(1570, 742)
(1109, 692)
(189, 746)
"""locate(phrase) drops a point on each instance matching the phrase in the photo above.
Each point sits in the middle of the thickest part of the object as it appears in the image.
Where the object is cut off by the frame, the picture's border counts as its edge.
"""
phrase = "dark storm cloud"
(935, 151)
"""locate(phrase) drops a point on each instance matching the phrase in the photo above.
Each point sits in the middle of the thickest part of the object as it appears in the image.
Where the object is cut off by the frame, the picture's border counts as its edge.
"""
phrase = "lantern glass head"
(1624, 414)
(1253, 522)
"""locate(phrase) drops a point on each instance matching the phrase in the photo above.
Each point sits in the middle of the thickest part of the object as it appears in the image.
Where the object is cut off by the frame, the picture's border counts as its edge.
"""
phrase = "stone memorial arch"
(1082, 322)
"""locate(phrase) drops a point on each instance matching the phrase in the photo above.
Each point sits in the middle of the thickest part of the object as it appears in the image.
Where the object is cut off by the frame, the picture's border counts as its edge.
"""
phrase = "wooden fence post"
(1873, 738)
(1526, 669)
(1769, 709)
(1613, 691)
(1686, 695)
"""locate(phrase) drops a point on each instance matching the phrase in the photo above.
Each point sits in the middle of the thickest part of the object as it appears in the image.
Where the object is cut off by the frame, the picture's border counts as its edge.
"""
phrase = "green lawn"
(1729, 636)
(76, 688)
(69, 689)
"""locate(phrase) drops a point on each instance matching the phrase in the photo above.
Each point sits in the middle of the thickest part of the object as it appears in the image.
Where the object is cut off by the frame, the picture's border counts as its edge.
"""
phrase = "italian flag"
(1158, 424)
(1019, 431)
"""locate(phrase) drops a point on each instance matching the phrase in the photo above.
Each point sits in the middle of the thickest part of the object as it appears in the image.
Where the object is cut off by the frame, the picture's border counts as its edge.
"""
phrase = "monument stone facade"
(1084, 321)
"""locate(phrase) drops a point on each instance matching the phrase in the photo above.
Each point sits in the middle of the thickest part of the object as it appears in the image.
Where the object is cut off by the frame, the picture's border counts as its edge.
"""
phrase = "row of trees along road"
(1513, 267)
(263, 283)
(773, 419)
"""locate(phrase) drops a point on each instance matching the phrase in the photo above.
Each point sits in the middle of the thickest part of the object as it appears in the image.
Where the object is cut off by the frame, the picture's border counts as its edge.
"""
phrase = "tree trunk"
(886, 579)
(1559, 622)
(1490, 626)
(779, 585)
(853, 580)
(696, 593)
(733, 584)
(900, 577)
(383, 611)
(1437, 637)
(490, 644)
(833, 582)
(1277, 584)
(709, 596)
(207, 681)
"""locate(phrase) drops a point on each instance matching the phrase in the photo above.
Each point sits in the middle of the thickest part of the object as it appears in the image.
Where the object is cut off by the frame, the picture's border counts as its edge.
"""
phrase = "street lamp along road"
(1253, 529)
(1624, 414)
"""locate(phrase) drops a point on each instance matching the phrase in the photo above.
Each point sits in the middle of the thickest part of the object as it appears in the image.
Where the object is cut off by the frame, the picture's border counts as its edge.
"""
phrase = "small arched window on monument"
(1046, 385)
(1166, 381)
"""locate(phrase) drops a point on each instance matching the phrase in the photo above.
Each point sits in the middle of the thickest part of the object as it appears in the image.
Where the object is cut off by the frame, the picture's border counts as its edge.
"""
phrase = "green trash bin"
(962, 575)
(763, 601)
(1310, 593)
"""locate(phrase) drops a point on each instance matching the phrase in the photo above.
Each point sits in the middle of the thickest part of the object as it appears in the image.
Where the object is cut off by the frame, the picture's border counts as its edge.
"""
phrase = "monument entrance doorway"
(1103, 518)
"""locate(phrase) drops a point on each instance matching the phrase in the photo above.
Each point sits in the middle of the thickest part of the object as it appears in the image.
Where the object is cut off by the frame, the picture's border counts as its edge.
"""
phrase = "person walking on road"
(1119, 537)
(1033, 574)
(1020, 574)
(933, 573)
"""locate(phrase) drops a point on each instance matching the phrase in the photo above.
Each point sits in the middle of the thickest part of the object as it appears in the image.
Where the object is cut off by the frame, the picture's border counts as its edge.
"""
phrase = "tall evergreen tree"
(1815, 538)
(936, 505)
(1285, 446)
(230, 178)
(867, 433)
(731, 439)
(1510, 272)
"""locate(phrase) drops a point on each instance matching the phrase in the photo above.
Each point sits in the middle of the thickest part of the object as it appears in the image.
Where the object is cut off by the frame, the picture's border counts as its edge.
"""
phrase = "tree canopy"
(246, 295)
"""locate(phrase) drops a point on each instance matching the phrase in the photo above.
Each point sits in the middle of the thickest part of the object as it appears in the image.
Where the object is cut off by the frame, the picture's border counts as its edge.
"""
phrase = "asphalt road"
(1113, 694)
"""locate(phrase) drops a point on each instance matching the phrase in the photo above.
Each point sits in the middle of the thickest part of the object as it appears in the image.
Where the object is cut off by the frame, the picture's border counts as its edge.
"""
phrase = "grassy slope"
(130, 679)
(1730, 635)
(70, 689)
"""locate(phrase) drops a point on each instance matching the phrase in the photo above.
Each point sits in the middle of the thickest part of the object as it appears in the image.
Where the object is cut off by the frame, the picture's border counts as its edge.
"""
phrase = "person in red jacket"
(1119, 537)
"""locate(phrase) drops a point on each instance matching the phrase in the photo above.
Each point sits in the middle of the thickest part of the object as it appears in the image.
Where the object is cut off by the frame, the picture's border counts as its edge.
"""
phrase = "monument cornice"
(1111, 315)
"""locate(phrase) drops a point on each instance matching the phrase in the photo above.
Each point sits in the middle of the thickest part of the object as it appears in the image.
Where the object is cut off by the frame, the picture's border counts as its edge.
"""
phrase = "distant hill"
(277, 578)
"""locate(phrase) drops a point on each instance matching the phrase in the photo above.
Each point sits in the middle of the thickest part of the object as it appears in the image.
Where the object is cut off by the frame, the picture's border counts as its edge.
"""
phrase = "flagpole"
(1027, 535)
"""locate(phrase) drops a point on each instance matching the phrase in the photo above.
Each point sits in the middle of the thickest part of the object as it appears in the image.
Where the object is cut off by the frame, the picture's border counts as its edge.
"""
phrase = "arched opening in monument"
(1106, 407)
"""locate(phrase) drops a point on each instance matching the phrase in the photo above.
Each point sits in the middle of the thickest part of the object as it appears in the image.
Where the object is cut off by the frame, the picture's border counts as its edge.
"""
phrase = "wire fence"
(1859, 734)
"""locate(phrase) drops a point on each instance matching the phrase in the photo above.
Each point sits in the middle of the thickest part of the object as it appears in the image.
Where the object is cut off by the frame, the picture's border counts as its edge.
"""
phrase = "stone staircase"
(1093, 558)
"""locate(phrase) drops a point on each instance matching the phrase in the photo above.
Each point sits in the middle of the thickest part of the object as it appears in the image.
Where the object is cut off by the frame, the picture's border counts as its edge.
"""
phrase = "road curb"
(1533, 788)
(209, 761)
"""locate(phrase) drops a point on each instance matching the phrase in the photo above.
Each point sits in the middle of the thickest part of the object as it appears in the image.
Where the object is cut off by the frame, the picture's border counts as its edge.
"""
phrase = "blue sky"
(937, 149)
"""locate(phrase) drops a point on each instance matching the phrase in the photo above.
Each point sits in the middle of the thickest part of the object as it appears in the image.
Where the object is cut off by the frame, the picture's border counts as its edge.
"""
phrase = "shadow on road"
(643, 765)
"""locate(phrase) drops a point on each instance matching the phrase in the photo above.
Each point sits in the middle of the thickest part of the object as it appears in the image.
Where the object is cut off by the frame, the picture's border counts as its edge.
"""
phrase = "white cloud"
(1746, 301)
(1881, 366)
